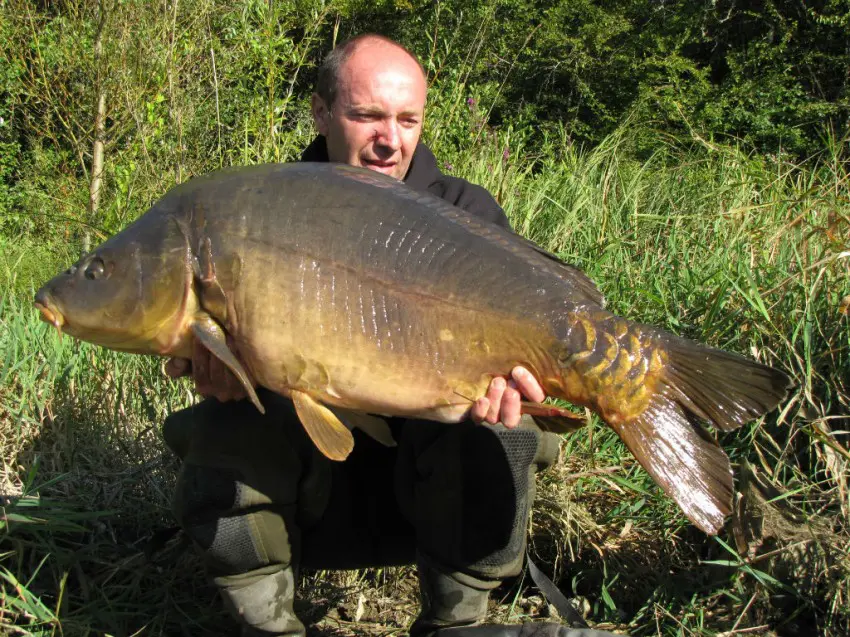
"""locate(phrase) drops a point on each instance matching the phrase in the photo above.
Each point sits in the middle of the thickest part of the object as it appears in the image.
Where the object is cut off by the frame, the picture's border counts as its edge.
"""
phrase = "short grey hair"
(328, 81)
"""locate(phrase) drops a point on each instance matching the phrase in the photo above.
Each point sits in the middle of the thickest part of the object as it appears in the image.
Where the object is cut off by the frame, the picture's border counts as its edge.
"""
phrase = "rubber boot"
(543, 629)
(448, 599)
(263, 606)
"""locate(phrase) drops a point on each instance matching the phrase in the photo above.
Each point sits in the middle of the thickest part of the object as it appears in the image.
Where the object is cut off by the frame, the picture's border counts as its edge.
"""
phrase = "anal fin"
(373, 426)
(326, 431)
(212, 336)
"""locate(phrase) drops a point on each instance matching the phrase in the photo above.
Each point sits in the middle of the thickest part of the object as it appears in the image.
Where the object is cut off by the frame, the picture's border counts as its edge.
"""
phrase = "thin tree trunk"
(99, 128)
(174, 112)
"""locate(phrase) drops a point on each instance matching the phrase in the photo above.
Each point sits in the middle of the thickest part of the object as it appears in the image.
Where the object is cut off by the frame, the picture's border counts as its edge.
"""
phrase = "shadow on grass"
(77, 537)
(91, 548)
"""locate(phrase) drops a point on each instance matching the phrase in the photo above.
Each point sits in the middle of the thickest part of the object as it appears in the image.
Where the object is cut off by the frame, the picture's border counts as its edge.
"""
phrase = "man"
(259, 500)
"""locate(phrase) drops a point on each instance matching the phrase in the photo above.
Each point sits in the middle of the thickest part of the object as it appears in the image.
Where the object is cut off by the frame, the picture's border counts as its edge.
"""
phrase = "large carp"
(344, 288)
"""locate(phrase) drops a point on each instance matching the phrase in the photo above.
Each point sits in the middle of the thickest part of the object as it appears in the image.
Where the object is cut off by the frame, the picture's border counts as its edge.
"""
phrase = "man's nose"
(388, 135)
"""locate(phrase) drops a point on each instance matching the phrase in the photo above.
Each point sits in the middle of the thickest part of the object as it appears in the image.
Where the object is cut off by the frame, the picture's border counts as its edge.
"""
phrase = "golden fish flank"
(310, 282)
(478, 347)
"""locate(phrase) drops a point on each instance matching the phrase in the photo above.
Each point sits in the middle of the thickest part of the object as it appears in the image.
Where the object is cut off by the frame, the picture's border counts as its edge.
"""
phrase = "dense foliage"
(191, 86)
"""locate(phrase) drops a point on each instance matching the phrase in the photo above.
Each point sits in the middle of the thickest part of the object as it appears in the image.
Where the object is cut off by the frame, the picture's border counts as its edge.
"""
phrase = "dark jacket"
(424, 176)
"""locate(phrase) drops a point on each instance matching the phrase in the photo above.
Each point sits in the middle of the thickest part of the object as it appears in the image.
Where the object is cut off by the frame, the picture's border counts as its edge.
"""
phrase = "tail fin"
(725, 389)
(688, 465)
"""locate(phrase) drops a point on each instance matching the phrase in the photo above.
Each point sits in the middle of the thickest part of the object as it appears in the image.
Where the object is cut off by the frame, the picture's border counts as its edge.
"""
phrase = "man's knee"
(236, 527)
(248, 482)
(468, 490)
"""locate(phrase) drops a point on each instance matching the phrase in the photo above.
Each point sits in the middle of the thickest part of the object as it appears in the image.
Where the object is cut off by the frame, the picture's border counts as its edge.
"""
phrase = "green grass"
(744, 252)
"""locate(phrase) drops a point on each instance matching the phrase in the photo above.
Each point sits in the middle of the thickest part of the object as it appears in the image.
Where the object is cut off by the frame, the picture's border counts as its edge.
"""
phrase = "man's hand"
(211, 376)
(502, 402)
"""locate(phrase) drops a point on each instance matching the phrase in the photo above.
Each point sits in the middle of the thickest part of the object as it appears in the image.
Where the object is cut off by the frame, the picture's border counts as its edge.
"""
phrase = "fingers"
(494, 395)
(238, 388)
(527, 384)
(235, 389)
(224, 384)
(231, 387)
(510, 412)
(220, 386)
(210, 374)
(201, 369)
(479, 410)
(214, 378)
(503, 402)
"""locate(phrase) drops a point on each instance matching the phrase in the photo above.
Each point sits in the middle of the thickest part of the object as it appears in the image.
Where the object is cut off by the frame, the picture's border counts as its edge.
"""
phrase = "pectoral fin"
(214, 276)
(553, 418)
(373, 426)
(325, 430)
(212, 336)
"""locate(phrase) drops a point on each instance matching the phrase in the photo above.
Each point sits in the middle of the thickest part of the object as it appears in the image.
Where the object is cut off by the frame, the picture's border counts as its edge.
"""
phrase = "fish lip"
(49, 313)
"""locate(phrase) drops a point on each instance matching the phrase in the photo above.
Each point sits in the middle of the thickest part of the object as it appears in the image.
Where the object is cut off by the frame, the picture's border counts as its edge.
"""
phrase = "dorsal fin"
(578, 278)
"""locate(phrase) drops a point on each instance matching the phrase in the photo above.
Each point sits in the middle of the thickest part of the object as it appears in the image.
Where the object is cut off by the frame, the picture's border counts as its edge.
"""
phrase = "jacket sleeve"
(472, 198)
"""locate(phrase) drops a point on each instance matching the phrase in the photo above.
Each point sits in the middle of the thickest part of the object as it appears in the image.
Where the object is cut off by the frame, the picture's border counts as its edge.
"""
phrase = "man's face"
(376, 119)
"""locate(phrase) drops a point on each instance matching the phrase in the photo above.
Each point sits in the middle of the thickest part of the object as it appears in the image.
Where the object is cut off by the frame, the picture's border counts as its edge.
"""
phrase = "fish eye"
(95, 270)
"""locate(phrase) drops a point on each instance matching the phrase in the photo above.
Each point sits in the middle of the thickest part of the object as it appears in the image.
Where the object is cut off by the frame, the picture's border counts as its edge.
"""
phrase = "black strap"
(555, 597)
(165, 545)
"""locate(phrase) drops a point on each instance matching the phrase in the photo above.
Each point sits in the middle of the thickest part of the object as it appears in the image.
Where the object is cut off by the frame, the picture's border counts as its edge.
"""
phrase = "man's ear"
(321, 114)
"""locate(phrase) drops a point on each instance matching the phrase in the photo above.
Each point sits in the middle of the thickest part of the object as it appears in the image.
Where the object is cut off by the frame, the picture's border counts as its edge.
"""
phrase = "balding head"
(369, 104)
(331, 68)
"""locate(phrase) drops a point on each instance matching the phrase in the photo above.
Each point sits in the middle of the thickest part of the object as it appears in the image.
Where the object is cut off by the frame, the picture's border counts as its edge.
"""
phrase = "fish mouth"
(49, 313)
